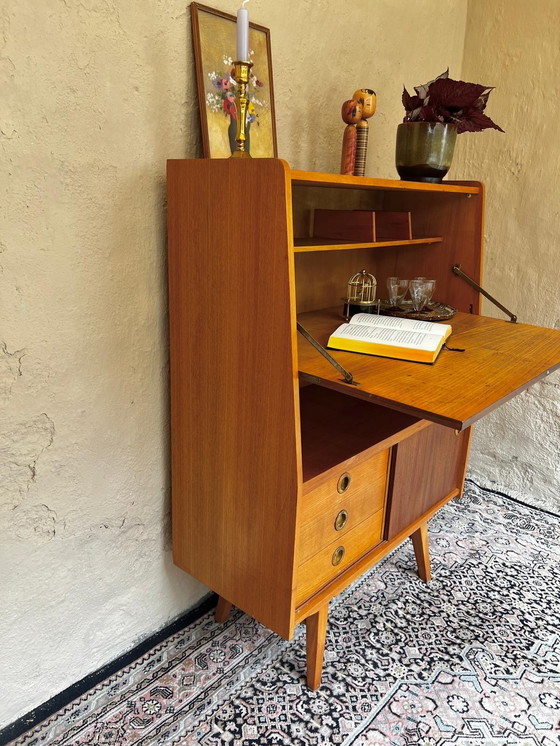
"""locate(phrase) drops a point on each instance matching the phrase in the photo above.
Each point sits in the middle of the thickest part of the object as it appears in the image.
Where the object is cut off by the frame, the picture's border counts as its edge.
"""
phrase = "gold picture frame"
(214, 42)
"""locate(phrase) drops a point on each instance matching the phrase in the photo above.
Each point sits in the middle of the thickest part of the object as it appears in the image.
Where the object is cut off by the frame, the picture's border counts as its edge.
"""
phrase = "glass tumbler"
(419, 291)
(397, 289)
(430, 286)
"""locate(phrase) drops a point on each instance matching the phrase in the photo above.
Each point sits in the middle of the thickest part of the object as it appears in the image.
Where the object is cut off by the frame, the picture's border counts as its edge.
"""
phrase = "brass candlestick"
(242, 70)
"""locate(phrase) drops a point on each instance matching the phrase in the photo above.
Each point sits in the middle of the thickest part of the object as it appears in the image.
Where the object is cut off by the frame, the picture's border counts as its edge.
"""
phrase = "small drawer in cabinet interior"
(334, 558)
(350, 493)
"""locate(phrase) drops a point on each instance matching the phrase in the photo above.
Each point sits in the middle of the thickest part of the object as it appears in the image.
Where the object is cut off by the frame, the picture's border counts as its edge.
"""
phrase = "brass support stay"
(459, 272)
(348, 377)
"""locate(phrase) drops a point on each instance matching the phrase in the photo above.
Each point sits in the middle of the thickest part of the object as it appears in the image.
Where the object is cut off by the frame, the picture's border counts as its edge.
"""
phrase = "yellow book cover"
(391, 336)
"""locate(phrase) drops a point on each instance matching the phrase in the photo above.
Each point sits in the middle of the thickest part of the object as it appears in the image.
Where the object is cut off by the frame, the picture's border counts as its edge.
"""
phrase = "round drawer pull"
(341, 520)
(343, 482)
(338, 554)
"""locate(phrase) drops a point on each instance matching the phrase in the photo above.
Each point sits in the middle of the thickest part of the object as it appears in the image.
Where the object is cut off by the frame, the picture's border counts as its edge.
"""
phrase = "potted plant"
(440, 110)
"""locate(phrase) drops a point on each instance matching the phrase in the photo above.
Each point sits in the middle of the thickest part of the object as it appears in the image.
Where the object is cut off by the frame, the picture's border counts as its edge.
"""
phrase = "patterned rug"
(470, 659)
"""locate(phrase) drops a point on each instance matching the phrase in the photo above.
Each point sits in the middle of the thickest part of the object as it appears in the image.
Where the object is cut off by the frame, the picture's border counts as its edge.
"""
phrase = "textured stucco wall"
(96, 95)
(515, 48)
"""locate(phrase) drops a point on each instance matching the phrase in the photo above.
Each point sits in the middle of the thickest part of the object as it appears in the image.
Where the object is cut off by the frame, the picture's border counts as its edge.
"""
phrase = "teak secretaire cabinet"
(287, 482)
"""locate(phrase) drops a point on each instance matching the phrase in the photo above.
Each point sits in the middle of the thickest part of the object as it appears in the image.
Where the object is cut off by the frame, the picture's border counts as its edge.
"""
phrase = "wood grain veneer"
(451, 223)
(336, 428)
(306, 245)
(422, 552)
(223, 610)
(500, 360)
(256, 451)
(367, 183)
(364, 563)
(319, 508)
(234, 422)
(315, 634)
(426, 467)
(319, 569)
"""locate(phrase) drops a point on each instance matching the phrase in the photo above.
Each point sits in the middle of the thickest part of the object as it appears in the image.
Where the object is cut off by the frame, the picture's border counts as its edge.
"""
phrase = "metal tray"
(434, 311)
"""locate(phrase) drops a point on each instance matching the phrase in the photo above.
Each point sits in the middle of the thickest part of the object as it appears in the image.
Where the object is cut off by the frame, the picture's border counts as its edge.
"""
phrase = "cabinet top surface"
(313, 178)
(310, 178)
(500, 360)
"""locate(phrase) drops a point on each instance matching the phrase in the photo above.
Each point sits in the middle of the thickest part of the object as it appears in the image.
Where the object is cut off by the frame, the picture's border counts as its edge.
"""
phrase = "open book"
(391, 336)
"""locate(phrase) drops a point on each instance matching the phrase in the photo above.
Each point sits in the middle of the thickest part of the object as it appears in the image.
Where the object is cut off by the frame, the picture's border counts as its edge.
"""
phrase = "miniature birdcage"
(361, 294)
(362, 288)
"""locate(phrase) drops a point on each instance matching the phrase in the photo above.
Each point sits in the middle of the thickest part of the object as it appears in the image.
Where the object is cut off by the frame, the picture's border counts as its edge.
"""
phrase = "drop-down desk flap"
(500, 360)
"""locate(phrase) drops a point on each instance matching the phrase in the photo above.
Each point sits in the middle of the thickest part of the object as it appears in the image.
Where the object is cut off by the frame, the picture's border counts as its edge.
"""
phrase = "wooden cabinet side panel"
(425, 468)
(234, 418)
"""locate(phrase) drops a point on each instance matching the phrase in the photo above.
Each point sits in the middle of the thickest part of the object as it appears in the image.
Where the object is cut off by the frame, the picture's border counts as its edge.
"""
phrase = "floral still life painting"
(214, 39)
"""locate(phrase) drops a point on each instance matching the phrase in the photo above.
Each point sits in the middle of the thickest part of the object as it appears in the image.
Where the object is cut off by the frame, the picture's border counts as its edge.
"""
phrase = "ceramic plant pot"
(424, 150)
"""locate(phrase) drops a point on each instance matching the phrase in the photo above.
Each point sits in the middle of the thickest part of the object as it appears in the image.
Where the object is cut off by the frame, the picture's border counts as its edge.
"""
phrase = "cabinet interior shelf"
(318, 244)
(336, 427)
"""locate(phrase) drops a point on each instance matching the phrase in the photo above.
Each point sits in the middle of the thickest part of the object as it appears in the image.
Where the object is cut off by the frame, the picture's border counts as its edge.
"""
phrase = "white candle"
(243, 33)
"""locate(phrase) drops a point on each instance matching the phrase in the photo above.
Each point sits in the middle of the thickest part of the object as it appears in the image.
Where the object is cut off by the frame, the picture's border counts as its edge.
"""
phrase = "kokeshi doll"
(351, 114)
(366, 97)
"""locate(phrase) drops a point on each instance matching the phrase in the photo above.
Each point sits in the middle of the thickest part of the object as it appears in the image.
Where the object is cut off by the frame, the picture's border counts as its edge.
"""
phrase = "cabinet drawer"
(333, 559)
(353, 493)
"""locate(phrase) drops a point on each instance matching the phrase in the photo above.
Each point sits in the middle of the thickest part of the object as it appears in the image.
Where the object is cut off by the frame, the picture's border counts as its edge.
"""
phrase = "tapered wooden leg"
(223, 609)
(422, 552)
(316, 634)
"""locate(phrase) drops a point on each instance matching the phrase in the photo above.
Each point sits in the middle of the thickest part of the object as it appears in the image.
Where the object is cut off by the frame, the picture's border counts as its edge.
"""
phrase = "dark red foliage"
(475, 121)
(447, 100)
(428, 114)
(410, 102)
(446, 93)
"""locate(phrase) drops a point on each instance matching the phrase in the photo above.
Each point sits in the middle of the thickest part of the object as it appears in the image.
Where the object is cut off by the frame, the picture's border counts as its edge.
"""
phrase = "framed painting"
(214, 40)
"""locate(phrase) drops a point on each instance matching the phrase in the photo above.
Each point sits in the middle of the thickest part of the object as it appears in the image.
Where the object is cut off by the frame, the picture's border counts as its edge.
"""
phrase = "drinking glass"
(397, 290)
(419, 290)
(430, 286)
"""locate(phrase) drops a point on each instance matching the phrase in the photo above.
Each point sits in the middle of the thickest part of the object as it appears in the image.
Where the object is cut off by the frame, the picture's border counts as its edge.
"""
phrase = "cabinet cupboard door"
(426, 467)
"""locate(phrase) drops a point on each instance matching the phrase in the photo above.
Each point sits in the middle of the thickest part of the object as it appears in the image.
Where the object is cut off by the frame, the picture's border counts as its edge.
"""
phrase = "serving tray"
(434, 311)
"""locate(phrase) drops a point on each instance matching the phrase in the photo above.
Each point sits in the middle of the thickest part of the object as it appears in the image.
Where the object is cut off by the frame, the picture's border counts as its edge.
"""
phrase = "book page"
(417, 340)
(396, 322)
